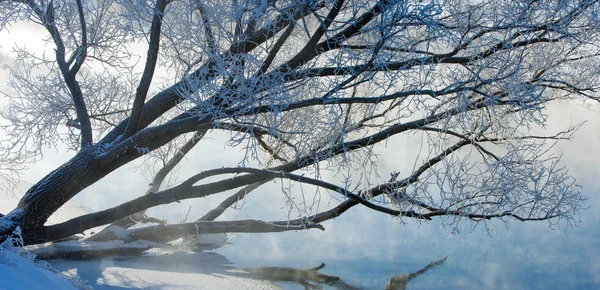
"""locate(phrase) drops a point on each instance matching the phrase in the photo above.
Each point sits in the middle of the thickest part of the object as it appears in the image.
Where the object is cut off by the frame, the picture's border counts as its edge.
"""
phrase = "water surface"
(365, 248)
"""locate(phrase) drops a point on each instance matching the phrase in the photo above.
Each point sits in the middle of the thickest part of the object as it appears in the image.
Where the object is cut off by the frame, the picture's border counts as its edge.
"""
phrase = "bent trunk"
(45, 197)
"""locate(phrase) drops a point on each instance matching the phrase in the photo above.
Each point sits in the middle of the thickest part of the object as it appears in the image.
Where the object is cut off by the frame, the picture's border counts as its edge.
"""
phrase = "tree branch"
(170, 97)
(210, 38)
(47, 18)
(273, 53)
(309, 50)
(231, 200)
(151, 58)
(81, 52)
(160, 176)
(165, 233)
(157, 181)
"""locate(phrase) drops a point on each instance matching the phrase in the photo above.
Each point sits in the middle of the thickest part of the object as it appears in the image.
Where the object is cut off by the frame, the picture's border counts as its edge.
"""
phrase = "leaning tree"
(301, 86)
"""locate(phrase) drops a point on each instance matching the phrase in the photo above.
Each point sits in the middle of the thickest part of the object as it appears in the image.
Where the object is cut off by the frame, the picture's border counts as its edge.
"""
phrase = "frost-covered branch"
(304, 87)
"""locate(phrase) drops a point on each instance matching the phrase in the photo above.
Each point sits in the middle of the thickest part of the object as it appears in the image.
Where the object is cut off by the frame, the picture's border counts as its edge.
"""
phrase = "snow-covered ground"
(160, 269)
(19, 271)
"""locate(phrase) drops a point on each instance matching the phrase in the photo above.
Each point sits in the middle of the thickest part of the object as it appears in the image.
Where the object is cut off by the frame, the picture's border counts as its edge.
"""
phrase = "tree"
(302, 86)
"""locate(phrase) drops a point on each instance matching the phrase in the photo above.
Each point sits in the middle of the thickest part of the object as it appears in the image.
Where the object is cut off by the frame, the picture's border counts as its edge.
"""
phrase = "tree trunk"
(59, 186)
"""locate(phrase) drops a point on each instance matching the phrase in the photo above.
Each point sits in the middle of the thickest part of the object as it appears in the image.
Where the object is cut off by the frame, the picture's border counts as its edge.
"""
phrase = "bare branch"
(151, 57)
(80, 54)
(160, 176)
(170, 232)
(210, 38)
(231, 200)
(47, 18)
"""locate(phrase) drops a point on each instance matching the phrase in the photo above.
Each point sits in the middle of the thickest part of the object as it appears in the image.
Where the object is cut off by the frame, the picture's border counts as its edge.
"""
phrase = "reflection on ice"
(399, 282)
(312, 279)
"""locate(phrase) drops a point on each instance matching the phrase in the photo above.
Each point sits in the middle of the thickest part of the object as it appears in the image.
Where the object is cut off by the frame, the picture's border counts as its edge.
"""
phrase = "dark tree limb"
(309, 50)
(187, 190)
(273, 53)
(80, 53)
(210, 38)
(47, 19)
(170, 232)
(151, 58)
(231, 200)
(170, 97)
(159, 177)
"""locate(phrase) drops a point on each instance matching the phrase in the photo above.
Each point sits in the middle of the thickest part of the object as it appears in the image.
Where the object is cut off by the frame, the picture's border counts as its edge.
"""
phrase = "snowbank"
(17, 272)
(20, 270)
(29, 277)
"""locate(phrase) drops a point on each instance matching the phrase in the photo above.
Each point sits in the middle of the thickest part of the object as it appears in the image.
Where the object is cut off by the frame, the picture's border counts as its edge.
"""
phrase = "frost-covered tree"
(302, 87)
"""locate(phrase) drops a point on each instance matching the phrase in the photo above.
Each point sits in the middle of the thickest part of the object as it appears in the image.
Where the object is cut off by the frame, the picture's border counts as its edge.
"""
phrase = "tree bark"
(58, 187)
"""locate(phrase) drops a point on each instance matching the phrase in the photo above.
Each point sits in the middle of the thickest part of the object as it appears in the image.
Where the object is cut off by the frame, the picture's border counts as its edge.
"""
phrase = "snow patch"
(19, 270)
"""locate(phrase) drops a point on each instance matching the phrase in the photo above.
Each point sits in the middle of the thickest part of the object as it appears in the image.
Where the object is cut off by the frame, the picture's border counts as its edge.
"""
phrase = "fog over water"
(364, 248)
